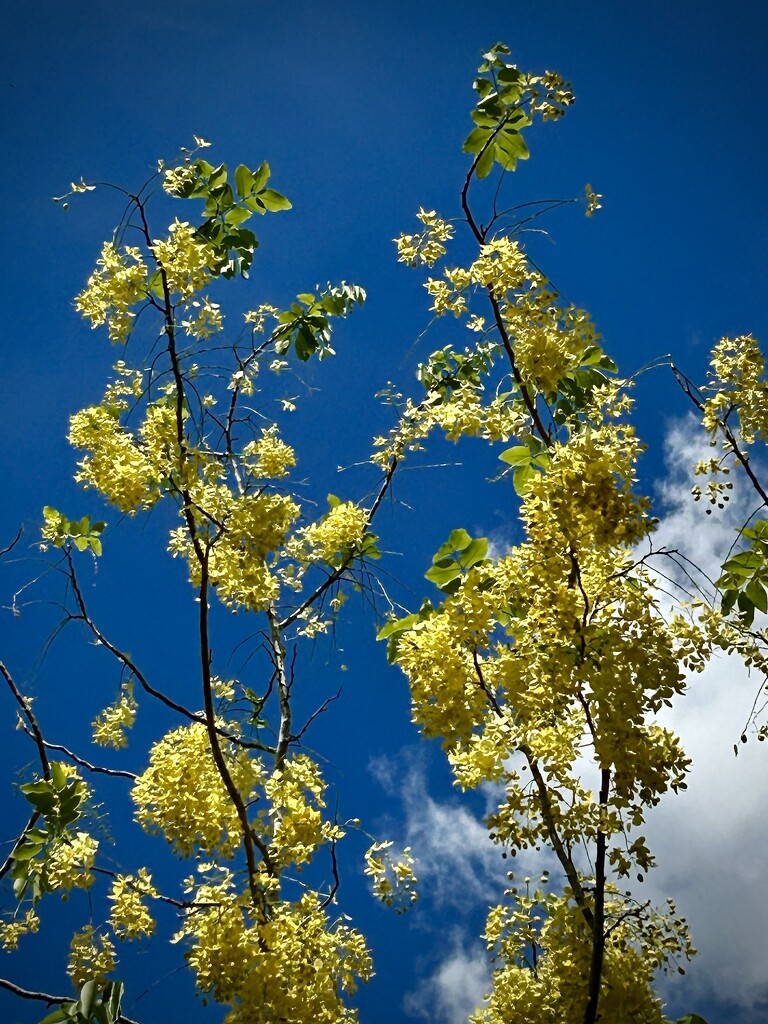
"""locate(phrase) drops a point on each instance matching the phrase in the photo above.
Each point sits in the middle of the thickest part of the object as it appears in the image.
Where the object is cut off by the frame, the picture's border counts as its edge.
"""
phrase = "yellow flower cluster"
(438, 656)
(427, 247)
(559, 638)
(12, 931)
(69, 862)
(549, 341)
(554, 987)
(593, 200)
(117, 467)
(737, 384)
(248, 528)
(296, 793)
(294, 967)
(181, 794)
(185, 260)
(112, 290)
(159, 439)
(551, 95)
(394, 880)
(203, 318)
(130, 918)
(586, 495)
(269, 457)
(501, 267)
(110, 724)
(257, 317)
(338, 534)
(465, 415)
(91, 957)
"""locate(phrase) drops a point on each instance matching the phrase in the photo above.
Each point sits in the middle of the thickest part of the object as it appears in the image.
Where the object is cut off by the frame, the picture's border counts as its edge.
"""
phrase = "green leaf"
(274, 200)
(393, 631)
(690, 1018)
(113, 995)
(87, 997)
(476, 139)
(509, 75)
(516, 456)
(261, 176)
(485, 163)
(58, 775)
(746, 609)
(217, 178)
(523, 479)
(397, 626)
(757, 595)
(457, 541)
(440, 575)
(510, 147)
(244, 180)
(40, 795)
(59, 1014)
(26, 851)
(237, 216)
(474, 552)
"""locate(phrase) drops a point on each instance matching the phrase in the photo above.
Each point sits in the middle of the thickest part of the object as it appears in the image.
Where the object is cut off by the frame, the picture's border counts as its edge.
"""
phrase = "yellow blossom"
(113, 289)
(182, 796)
(70, 861)
(12, 931)
(91, 957)
(203, 318)
(338, 534)
(130, 918)
(110, 725)
(427, 247)
(272, 458)
(185, 260)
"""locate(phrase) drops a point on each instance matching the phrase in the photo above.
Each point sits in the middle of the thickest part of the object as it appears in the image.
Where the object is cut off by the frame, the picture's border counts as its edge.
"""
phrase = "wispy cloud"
(455, 989)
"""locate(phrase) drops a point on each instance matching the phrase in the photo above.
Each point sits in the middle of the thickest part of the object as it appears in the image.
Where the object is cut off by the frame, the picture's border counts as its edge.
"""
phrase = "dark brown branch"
(26, 710)
(45, 997)
(693, 393)
(95, 768)
(482, 683)
(336, 882)
(201, 549)
(14, 542)
(127, 662)
(283, 688)
(315, 714)
(8, 862)
(554, 837)
(598, 924)
(480, 235)
(347, 562)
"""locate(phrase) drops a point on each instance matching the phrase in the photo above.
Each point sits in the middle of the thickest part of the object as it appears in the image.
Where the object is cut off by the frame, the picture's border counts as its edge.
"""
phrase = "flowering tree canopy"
(542, 669)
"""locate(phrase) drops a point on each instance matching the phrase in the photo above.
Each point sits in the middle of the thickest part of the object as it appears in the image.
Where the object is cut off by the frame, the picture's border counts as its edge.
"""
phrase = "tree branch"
(45, 997)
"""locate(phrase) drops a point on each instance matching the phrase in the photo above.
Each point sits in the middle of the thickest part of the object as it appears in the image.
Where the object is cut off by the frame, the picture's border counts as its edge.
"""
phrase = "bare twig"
(26, 710)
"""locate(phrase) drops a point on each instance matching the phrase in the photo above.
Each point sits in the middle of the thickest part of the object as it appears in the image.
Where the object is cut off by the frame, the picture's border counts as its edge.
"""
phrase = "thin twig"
(26, 710)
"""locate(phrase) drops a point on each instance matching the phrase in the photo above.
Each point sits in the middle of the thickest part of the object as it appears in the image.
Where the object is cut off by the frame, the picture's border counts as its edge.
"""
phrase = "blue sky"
(361, 110)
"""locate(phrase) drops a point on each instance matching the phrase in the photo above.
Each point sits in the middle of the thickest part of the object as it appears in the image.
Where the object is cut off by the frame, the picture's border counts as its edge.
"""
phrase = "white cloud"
(710, 841)
(456, 988)
(456, 863)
